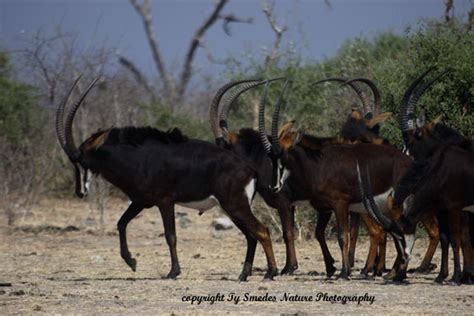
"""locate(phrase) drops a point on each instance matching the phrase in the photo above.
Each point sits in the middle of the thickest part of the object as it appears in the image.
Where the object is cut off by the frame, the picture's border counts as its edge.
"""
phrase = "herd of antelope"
(356, 173)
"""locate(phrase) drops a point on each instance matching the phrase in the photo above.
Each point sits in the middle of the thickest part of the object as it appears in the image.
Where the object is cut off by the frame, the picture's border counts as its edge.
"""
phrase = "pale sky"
(316, 29)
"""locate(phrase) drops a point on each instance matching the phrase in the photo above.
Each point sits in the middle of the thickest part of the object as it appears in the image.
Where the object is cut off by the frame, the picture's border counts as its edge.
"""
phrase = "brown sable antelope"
(439, 181)
(326, 177)
(155, 168)
(247, 145)
(362, 127)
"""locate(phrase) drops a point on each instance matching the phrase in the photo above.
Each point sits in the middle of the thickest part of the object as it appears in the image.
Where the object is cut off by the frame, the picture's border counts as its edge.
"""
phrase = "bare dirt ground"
(81, 272)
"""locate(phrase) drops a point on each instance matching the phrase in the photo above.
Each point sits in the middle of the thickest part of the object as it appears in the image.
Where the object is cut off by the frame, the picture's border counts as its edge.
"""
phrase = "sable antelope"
(428, 220)
(364, 128)
(403, 245)
(430, 144)
(247, 145)
(446, 184)
(155, 168)
(326, 175)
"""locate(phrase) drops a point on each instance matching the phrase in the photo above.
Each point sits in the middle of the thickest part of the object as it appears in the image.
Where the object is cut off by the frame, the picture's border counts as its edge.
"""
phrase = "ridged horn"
(70, 144)
(261, 121)
(375, 93)
(406, 122)
(369, 203)
(362, 96)
(213, 113)
(224, 108)
(276, 115)
(414, 99)
(60, 117)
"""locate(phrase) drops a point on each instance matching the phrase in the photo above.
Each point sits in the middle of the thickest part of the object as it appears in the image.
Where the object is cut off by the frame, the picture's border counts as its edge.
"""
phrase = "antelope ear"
(285, 129)
(356, 114)
(437, 119)
(289, 140)
(368, 116)
(378, 119)
(98, 140)
(233, 138)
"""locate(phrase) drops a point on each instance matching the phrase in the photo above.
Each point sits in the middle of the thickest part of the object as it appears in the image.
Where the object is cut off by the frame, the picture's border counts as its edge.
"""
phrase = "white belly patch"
(380, 200)
(202, 205)
(469, 208)
(250, 191)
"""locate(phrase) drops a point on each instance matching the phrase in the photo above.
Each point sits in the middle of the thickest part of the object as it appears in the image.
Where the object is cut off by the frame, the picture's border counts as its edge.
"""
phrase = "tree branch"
(278, 30)
(209, 54)
(231, 18)
(448, 7)
(187, 66)
(139, 77)
(145, 12)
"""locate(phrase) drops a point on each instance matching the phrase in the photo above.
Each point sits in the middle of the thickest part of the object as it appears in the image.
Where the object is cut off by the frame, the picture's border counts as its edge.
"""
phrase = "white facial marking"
(282, 175)
(286, 174)
(405, 150)
(408, 203)
(410, 240)
(85, 177)
(88, 180)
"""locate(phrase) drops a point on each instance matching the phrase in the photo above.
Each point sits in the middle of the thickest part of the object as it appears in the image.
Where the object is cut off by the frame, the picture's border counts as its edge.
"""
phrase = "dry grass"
(55, 269)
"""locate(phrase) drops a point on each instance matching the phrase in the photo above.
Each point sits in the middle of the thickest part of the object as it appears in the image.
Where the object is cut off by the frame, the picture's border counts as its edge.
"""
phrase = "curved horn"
(228, 101)
(360, 93)
(369, 202)
(70, 145)
(261, 122)
(60, 116)
(406, 122)
(276, 114)
(215, 104)
(375, 92)
(414, 99)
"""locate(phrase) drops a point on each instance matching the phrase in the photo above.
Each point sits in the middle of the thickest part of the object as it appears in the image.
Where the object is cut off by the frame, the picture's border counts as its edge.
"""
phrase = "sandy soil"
(58, 269)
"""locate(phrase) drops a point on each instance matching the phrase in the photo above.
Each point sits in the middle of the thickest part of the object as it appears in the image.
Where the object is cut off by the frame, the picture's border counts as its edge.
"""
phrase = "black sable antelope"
(247, 145)
(155, 168)
(446, 184)
(326, 176)
(443, 167)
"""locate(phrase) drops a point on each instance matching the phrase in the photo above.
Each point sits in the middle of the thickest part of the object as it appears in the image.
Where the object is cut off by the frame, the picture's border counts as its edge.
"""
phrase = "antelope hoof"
(365, 275)
(466, 278)
(330, 271)
(424, 269)
(380, 271)
(243, 277)
(289, 269)
(440, 278)
(173, 274)
(131, 262)
(455, 280)
(397, 281)
(246, 272)
(270, 274)
(343, 276)
(390, 275)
